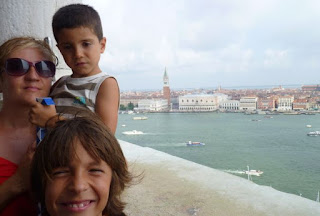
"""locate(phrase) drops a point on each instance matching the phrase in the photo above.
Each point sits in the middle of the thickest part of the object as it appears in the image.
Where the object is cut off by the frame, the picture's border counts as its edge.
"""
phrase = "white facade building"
(230, 105)
(248, 103)
(285, 103)
(152, 105)
(201, 102)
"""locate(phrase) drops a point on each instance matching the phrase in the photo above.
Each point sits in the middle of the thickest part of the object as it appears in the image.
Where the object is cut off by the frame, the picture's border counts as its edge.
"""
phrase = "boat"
(308, 126)
(268, 116)
(251, 172)
(123, 125)
(133, 132)
(195, 143)
(314, 133)
(254, 172)
(140, 118)
(318, 197)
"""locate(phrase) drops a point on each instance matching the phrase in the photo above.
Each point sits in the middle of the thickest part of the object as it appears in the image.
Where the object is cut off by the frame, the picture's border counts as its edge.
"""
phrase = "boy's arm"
(43, 115)
(107, 103)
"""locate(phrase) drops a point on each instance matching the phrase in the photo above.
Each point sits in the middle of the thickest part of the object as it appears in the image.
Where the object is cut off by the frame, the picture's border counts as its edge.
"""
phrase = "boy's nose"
(78, 53)
(78, 184)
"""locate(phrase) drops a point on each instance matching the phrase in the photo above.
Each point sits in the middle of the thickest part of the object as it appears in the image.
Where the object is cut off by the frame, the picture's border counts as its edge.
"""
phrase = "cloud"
(275, 58)
(227, 42)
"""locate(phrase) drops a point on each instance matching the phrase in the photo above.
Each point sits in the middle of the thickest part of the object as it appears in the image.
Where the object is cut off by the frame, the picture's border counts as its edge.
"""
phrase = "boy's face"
(81, 50)
(82, 188)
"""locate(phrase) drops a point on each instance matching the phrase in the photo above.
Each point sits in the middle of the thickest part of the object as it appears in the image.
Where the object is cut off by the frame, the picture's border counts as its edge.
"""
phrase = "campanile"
(166, 87)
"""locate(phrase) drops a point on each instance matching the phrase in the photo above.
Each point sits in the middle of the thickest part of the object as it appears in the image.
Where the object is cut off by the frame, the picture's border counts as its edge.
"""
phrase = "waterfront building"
(300, 104)
(230, 105)
(152, 105)
(285, 103)
(166, 87)
(248, 103)
(266, 103)
(201, 102)
(126, 101)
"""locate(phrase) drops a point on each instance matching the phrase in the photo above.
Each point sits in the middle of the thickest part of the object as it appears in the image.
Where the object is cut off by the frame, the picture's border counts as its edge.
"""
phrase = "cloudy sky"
(207, 43)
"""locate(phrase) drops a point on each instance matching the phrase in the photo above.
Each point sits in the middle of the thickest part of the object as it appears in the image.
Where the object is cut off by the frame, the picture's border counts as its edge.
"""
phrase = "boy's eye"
(85, 44)
(66, 47)
(96, 170)
(60, 172)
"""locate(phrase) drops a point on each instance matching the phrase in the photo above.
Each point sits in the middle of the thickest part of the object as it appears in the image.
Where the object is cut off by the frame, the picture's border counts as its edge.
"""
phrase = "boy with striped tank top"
(78, 32)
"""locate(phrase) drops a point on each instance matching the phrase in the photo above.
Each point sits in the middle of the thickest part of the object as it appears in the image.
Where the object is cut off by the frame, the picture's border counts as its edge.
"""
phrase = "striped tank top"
(71, 92)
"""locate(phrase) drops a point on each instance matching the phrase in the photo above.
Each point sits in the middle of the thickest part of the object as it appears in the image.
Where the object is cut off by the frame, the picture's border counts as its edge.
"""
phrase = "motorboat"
(254, 172)
(314, 133)
(308, 126)
(190, 143)
(140, 118)
(133, 132)
(251, 172)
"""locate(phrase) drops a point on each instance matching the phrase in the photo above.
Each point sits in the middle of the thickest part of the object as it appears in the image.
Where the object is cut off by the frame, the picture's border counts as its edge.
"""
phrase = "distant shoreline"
(288, 86)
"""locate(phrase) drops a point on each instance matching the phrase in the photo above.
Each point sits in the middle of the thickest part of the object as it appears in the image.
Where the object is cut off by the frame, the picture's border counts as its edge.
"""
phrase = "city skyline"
(206, 44)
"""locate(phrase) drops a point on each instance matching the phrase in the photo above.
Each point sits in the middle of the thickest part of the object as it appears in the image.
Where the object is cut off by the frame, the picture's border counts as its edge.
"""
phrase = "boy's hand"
(40, 114)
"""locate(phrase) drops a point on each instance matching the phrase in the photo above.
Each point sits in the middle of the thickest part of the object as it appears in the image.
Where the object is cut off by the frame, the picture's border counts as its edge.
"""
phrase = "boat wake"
(248, 172)
(234, 171)
(168, 144)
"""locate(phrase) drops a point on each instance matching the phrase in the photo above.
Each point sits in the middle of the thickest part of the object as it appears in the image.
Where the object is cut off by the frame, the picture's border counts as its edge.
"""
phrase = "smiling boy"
(79, 169)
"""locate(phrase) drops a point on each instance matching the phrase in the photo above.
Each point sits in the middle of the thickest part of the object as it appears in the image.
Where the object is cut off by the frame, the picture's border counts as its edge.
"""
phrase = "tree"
(130, 106)
(122, 107)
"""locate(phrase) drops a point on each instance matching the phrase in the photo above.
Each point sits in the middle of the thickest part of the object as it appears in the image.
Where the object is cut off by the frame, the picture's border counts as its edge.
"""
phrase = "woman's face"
(26, 88)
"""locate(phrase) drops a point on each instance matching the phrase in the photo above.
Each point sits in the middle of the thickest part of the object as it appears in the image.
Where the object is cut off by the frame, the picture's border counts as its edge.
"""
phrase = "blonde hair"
(19, 43)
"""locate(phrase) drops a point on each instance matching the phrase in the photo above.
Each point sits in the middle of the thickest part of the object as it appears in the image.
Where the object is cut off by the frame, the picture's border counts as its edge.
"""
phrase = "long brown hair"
(57, 149)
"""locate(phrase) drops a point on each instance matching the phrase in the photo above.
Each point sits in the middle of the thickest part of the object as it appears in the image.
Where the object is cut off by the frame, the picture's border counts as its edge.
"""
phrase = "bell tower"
(166, 87)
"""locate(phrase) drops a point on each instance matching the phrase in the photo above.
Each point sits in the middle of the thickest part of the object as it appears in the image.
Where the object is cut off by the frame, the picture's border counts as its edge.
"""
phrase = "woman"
(26, 70)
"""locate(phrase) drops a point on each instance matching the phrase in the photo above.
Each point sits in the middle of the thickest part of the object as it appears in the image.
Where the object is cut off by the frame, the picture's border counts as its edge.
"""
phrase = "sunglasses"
(19, 67)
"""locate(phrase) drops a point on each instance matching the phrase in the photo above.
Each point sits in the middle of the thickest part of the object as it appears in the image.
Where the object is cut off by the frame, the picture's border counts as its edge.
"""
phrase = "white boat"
(133, 132)
(195, 143)
(250, 173)
(308, 126)
(254, 172)
(123, 125)
(314, 133)
(140, 118)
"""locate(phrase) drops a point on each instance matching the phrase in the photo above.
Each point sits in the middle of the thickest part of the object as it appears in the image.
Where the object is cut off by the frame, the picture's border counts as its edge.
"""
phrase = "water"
(278, 146)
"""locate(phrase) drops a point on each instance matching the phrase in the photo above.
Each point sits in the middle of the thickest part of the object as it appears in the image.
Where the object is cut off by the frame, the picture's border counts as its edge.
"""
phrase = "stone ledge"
(174, 186)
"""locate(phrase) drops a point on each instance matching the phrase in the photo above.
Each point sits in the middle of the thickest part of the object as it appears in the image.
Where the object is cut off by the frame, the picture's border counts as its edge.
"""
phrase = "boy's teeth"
(81, 205)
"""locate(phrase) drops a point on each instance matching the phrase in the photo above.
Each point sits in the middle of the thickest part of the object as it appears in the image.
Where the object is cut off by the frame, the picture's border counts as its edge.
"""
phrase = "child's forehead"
(77, 33)
(80, 153)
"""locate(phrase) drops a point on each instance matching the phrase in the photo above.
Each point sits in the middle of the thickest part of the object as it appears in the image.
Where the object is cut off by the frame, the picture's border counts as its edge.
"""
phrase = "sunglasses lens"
(16, 66)
(45, 68)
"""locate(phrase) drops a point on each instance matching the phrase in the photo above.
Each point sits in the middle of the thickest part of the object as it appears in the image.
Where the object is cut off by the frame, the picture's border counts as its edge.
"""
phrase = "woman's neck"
(15, 117)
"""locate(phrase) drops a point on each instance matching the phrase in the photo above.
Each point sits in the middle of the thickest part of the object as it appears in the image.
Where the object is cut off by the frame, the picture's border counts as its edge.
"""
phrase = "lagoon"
(279, 146)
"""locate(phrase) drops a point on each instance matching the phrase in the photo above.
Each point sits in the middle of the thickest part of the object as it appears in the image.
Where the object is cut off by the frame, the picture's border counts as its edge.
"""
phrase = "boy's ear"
(103, 43)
